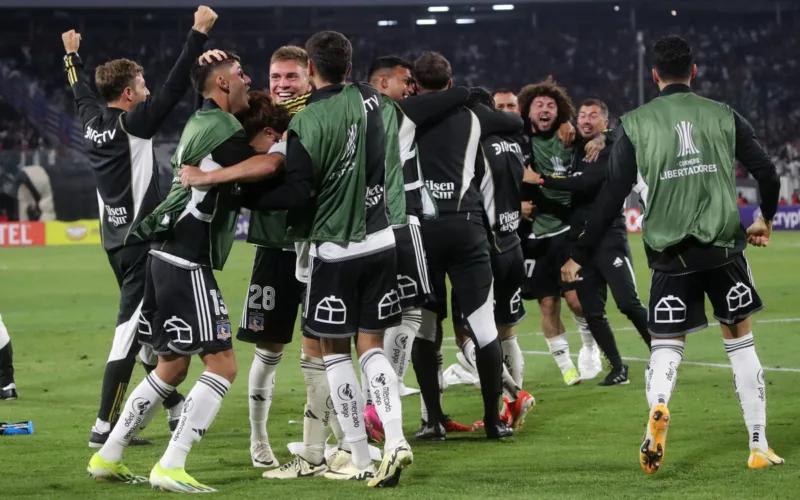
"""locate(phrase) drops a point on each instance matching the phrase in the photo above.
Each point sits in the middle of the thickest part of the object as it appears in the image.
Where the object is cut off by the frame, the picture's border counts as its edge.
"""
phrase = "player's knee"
(573, 303)
(223, 364)
(549, 306)
(505, 332)
(173, 371)
(270, 346)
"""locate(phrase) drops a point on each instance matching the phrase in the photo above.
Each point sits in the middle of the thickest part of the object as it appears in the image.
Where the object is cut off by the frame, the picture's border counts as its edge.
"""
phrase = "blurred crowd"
(748, 61)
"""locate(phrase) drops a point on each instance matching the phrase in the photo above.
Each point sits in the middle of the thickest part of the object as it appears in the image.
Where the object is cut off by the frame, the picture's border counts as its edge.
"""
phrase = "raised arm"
(421, 109)
(496, 122)
(145, 119)
(89, 107)
(298, 181)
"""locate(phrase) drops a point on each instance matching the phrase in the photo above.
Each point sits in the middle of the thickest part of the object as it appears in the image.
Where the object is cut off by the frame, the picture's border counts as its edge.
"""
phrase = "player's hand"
(594, 147)
(531, 176)
(566, 132)
(204, 19)
(569, 271)
(759, 232)
(209, 56)
(192, 176)
(527, 210)
(72, 41)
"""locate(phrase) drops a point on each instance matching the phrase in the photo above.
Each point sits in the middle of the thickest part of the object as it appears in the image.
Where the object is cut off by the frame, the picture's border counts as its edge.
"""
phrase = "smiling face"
(543, 113)
(506, 101)
(287, 80)
(591, 121)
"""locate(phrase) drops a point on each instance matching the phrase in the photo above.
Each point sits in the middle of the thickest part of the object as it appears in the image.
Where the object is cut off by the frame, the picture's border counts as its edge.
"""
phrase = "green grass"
(581, 442)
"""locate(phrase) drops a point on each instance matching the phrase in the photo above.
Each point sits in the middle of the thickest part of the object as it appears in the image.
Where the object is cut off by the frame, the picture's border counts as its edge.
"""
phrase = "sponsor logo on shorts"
(331, 310)
(516, 301)
(389, 305)
(144, 326)
(407, 286)
(140, 405)
(224, 331)
(255, 322)
(670, 309)
(618, 262)
(739, 296)
(179, 330)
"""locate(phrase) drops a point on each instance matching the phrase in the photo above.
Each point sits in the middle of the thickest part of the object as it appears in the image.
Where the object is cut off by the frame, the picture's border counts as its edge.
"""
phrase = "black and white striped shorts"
(182, 311)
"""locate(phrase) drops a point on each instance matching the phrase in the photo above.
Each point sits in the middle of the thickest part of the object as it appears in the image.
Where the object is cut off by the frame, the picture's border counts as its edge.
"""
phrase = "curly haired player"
(545, 106)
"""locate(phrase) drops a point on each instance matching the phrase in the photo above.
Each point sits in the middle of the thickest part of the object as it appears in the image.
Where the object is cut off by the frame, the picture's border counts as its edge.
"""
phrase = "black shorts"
(273, 298)
(508, 269)
(677, 301)
(457, 247)
(345, 297)
(183, 311)
(544, 258)
(129, 265)
(413, 283)
(610, 268)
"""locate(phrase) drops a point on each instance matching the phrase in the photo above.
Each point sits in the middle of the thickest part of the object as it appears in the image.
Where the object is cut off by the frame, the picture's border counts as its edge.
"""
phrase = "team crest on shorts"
(224, 331)
(255, 323)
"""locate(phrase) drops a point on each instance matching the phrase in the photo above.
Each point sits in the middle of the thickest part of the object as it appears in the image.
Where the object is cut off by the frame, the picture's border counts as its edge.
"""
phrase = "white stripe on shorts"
(198, 300)
(419, 251)
(209, 327)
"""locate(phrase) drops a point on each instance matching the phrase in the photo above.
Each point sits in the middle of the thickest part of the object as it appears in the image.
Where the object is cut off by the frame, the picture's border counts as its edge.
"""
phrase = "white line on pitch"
(630, 328)
(691, 363)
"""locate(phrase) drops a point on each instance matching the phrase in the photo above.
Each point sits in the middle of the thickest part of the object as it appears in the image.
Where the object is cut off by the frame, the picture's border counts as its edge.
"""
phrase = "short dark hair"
(387, 62)
(503, 91)
(596, 102)
(113, 77)
(432, 70)
(263, 112)
(202, 71)
(332, 55)
(481, 95)
(672, 58)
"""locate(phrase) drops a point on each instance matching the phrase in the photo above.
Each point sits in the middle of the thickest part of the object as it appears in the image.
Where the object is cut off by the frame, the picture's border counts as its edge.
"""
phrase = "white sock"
(512, 355)
(662, 370)
(4, 337)
(365, 392)
(440, 361)
(317, 416)
(199, 410)
(583, 329)
(559, 348)
(139, 409)
(398, 341)
(385, 394)
(510, 387)
(468, 349)
(348, 403)
(748, 379)
(260, 386)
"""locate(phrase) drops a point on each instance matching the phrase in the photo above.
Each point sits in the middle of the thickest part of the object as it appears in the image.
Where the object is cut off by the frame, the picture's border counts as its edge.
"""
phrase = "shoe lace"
(292, 464)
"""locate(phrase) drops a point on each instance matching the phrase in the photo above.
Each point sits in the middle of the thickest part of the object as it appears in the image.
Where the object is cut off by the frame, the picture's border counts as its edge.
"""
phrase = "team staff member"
(119, 144)
(612, 265)
(682, 148)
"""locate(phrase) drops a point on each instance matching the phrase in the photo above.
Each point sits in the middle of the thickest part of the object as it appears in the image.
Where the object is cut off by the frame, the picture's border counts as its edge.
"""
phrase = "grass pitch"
(60, 306)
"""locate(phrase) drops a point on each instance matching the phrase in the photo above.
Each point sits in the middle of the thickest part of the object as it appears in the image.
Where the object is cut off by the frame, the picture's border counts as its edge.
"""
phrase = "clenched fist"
(72, 41)
(204, 19)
